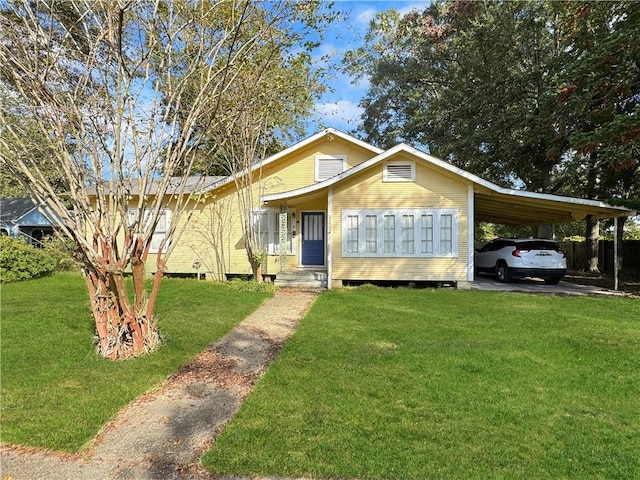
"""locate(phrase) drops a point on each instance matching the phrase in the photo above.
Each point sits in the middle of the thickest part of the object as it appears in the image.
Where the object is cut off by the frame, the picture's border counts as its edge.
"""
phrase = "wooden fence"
(630, 250)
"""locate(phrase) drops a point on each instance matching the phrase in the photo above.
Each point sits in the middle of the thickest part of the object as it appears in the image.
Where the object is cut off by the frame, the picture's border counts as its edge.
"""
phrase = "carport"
(516, 207)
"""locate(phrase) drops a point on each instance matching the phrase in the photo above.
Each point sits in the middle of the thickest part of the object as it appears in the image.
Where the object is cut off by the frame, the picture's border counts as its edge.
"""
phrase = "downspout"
(329, 250)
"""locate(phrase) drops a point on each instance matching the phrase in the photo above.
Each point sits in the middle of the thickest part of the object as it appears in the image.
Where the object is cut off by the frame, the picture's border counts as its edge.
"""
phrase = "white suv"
(522, 257)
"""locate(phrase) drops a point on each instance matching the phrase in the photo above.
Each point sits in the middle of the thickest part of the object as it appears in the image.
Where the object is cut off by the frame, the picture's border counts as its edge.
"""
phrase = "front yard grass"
(417, 384)
(56, 392)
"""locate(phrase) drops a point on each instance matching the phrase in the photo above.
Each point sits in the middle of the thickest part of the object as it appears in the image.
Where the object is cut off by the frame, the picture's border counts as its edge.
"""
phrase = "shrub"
(21, 261)
(59, 250)
(240, 285)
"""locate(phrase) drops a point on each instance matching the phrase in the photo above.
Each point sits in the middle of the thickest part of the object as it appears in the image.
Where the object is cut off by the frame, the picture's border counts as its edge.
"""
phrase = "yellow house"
(336, 209)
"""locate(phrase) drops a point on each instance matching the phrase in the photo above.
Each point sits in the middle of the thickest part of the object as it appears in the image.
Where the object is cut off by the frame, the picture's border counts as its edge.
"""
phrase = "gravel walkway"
(163, 433)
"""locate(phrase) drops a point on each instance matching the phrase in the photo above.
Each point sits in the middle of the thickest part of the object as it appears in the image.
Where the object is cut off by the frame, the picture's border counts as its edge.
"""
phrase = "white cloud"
(341, 114)
(362, 17)
(339, 106)
(365, 16)
(411, 6)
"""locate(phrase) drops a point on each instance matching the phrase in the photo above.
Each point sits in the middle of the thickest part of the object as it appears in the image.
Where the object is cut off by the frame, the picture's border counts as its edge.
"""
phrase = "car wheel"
(502, 272)
(552, 280)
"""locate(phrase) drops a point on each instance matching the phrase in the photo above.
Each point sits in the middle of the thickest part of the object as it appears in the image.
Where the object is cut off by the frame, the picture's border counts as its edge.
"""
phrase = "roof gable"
(24, 212)
(35, 217)
(383, 156)
(326, 134)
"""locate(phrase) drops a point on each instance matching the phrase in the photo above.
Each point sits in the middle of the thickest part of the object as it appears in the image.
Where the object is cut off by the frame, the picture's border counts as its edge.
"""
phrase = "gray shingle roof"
(12, 209)
(193, 183)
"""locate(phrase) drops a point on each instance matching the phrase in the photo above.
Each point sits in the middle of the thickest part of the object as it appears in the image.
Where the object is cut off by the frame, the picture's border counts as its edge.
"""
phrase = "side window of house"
(400, 233)
(327, 166)
(159, 233)
(267, 225)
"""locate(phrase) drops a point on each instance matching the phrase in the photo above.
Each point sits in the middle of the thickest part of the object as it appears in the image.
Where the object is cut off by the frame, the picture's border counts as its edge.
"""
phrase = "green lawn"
(425, 384)
(56, 392)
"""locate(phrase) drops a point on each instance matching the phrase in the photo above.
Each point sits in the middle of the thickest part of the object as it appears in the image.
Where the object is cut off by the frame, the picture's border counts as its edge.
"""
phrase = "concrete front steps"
(302, 279)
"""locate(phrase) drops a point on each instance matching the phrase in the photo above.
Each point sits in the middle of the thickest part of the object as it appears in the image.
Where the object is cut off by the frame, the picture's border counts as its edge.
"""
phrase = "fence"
(629, 250)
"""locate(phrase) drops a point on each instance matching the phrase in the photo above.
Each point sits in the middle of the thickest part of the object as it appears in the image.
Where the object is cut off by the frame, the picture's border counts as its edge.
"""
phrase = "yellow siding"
(298, 169)
(208, 238)
(295, 171)
(214, 234)
(431, 189)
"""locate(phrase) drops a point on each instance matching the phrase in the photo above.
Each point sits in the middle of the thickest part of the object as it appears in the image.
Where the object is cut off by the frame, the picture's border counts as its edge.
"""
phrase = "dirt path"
(163, 433)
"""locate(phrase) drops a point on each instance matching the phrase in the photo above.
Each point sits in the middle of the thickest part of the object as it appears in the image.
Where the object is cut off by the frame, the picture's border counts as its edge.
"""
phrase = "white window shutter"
(329, 166)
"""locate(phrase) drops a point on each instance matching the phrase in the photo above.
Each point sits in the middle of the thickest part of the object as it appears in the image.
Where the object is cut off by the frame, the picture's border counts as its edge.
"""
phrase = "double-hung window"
(412, 232)
(352, 233)
(407, 234)
(371, 233)
(159, 233)
(389, 234)
(446, 234)
(267, 229)
(426, 236)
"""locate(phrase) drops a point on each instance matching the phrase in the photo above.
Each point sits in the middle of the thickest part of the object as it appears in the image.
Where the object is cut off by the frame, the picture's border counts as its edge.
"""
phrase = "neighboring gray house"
(21, 218)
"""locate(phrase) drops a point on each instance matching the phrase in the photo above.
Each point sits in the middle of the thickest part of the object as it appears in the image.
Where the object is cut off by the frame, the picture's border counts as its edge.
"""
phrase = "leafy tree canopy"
(536, 95)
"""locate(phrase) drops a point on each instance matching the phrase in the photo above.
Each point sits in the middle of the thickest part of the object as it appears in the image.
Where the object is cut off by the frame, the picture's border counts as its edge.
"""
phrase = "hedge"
(21, 261)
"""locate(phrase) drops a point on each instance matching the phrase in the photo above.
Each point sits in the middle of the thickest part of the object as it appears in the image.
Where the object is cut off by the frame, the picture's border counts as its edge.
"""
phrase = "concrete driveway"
(535, 285)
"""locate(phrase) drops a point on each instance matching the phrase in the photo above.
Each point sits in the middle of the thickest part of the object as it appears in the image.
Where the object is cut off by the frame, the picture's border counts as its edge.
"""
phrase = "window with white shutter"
(389, 238)
(406, 232)
(328, 166)
(159, 233)
(427, 233)
(267, 225)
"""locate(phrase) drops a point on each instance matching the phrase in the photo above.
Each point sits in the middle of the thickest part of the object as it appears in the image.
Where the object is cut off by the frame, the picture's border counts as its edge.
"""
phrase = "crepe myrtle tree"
(267, 104)
(104, 81)
(260, 111)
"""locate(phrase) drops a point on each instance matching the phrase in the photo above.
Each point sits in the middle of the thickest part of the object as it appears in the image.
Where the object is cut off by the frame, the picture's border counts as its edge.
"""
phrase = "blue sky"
(339, 108)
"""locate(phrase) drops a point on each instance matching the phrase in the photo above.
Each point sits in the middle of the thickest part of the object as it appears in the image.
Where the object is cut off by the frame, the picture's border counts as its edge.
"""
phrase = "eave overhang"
(492, 203)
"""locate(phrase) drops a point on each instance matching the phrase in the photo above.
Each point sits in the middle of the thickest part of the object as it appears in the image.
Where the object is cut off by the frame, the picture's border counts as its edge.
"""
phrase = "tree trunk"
(592, 237)
(161, 268)
(256, 268)
(255, 260)
(122, 331)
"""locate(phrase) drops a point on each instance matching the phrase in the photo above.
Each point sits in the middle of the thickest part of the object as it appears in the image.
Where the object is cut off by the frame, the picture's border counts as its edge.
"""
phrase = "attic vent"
(329, 166)
(399, 172)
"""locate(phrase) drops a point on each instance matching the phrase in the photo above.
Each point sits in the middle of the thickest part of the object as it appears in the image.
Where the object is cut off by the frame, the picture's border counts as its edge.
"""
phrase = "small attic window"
(328, 166)
(399, 171)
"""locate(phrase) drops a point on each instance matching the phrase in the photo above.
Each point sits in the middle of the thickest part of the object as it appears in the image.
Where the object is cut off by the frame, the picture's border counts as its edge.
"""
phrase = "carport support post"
(615, 253)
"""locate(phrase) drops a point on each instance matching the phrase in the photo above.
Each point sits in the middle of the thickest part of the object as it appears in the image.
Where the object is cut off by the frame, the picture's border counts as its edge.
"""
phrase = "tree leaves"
(521, 93)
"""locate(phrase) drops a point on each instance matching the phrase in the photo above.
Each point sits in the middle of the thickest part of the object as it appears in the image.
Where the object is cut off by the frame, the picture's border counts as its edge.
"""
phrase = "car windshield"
(537, 245)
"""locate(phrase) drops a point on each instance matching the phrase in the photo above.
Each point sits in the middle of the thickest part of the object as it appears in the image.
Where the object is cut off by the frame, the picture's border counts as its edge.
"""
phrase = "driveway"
(535, 285)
